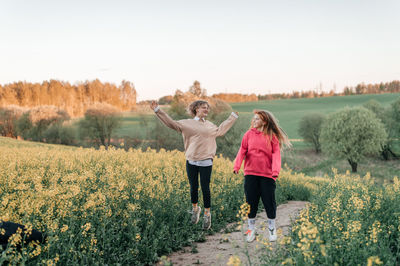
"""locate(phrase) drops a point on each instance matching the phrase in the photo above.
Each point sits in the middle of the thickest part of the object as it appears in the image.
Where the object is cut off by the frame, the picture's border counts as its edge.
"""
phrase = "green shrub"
(310, 129)
(60, 134)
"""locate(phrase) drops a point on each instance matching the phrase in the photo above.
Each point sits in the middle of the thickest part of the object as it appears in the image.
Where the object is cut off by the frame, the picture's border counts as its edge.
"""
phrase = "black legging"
(264, 187)
(205, 175)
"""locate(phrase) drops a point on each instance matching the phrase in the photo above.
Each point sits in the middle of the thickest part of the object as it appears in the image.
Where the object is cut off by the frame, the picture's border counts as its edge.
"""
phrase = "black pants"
(205, 176)
(264, 187)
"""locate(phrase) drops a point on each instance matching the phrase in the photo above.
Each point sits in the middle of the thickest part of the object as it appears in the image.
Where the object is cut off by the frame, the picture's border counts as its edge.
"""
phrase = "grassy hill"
(290, 111)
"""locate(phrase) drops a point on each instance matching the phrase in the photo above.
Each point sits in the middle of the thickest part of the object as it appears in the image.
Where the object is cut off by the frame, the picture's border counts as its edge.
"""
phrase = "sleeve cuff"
(234, 115)
(275, 173)
(156, 109)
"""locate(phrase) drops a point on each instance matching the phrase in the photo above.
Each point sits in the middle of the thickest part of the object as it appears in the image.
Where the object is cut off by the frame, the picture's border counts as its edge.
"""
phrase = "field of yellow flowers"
(104, 206)
(351, 221)
(118, 207)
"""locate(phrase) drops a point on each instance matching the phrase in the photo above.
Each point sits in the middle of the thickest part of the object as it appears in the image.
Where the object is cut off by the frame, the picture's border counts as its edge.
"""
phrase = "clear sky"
(229, 46)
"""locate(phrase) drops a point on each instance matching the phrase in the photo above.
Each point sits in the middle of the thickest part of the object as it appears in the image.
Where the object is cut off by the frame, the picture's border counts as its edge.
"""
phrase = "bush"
(310, 129)
(352, 133)
(60, 134)
(24, 126)
(36, 121)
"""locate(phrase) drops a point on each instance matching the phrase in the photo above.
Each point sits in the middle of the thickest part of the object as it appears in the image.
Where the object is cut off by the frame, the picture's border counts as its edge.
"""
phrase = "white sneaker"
(272, 234)
(250, 235)
(207, 221)
(196, 215)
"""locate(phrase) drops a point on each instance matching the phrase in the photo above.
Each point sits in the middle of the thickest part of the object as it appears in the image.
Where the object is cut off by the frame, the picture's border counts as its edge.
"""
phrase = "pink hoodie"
(262, 157)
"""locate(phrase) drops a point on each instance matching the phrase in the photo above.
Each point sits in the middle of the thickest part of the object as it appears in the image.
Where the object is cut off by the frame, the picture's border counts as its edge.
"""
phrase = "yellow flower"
(288, 261)
(374, 260)
(64, 228)
(234, 261)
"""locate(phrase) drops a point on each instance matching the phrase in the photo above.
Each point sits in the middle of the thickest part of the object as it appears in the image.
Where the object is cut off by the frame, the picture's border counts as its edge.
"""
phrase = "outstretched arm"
(227, 124)
(241, 154)
(165, 118)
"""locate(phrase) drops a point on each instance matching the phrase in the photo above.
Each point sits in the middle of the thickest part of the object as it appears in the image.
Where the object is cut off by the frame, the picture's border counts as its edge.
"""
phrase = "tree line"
(73, 98)
(362, 88)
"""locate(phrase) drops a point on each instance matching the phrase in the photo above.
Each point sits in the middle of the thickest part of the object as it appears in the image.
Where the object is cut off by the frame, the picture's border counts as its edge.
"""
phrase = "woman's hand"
(153, 105)
(235, 172)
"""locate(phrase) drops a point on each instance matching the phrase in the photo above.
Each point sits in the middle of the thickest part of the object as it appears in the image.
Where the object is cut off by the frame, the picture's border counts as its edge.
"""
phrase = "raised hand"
(153, 105)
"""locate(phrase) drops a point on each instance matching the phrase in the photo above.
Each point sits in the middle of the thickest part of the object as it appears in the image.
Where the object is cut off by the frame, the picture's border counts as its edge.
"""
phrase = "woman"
(200, 146)
(260, 149)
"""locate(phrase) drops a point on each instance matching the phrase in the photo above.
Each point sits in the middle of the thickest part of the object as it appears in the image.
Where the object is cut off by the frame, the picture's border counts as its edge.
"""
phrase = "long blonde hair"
(272, 128)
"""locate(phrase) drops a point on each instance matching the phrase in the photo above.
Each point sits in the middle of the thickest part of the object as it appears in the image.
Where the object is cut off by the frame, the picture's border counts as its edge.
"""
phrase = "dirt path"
(217, 248)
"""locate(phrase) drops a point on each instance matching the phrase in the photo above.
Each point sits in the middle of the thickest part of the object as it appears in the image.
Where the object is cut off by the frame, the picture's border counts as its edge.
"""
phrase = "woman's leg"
(268, 197)
(205, 177)
(252, 191)
(267, 186)
(193, 176)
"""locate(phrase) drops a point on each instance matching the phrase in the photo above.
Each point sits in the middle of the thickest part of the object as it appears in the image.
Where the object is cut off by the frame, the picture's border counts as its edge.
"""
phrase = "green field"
(288, 111)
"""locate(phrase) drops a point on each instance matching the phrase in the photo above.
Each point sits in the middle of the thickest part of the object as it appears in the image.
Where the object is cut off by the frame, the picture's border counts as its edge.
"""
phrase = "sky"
(229, 46)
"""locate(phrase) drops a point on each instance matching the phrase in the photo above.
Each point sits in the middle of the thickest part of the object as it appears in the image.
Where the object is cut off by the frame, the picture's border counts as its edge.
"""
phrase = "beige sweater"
(198, 136)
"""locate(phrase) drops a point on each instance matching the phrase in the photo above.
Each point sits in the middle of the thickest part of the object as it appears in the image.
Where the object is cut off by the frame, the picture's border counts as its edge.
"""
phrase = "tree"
(375, 107)
(395, 114)
(178, 106)
(310, 129)
(196, 89)
(100, 121)
(394, 122)
(352, 133)
(218, 107)
(9, 116)
(386, 116)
